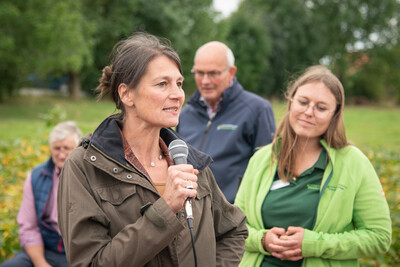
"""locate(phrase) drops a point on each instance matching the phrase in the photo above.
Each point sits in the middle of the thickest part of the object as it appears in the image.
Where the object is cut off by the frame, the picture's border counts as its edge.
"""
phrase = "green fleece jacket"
(353, 219)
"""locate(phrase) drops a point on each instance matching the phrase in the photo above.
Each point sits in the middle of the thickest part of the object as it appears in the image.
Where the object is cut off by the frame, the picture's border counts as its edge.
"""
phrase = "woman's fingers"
(181, 184)
(290, 255)
(288, 245)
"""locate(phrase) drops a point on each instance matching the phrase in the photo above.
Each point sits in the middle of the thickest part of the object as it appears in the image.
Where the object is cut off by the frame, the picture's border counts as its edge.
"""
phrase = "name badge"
(278, 184)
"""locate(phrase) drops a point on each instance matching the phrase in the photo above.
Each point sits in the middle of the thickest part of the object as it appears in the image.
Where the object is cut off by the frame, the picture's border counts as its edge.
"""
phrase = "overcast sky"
(226, 6)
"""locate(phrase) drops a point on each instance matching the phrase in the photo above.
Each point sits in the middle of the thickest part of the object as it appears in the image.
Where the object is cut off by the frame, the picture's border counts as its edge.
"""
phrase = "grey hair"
(230, 58)
(63, 130)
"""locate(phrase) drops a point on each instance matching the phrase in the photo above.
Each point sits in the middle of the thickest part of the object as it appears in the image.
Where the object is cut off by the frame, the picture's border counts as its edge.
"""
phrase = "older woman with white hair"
(39, 234)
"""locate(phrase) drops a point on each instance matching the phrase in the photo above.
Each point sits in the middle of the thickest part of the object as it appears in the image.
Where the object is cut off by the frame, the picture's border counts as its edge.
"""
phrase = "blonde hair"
(285, 138)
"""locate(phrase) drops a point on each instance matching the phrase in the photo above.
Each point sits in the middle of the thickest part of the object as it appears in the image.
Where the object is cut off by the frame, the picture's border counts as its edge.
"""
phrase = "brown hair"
(285, 137)
(129, 62)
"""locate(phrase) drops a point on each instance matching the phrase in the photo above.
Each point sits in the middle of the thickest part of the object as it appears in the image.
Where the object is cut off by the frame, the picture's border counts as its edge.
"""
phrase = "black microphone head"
(178, 151)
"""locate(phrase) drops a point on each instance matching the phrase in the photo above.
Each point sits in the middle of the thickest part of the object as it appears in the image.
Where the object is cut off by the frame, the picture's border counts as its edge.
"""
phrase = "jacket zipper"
(205, 135)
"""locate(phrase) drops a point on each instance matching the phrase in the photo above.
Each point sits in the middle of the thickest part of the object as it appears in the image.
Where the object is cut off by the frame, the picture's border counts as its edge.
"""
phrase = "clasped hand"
(284, 245)
(181, 184)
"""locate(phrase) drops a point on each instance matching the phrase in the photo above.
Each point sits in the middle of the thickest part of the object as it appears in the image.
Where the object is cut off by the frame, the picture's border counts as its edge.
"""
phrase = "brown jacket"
(110, 214)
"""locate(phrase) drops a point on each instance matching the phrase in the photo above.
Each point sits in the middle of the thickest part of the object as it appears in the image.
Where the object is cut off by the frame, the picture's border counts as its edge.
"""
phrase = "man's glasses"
(212, 75)
(321, 111)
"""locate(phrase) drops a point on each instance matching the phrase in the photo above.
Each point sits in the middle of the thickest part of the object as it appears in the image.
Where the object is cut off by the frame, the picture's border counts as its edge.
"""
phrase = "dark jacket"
(244, 123)
(42, 182)
(110, 214)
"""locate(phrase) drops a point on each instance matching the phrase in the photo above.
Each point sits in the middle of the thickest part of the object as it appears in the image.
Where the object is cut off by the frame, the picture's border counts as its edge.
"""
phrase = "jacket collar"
(331, 151)
(107, 138)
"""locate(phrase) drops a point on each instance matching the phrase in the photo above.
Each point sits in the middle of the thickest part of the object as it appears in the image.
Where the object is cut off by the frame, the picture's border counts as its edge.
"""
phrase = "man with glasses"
(222, 119)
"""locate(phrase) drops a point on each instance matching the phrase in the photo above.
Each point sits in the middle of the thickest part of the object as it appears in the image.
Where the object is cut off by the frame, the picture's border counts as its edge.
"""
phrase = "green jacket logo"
(313, 186)
(230, 127)
(334, 188)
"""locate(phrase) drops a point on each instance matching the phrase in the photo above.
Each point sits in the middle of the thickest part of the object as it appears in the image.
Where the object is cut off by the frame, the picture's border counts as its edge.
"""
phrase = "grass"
(29, 116)
(373, 127)
(367, 127)
(25, 116)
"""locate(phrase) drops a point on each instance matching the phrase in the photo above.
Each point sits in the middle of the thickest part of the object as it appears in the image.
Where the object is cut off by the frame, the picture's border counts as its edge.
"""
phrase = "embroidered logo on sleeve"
(229, 127)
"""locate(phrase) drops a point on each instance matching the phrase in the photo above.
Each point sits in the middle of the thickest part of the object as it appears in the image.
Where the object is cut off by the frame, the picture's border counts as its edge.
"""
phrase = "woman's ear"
(126, 95)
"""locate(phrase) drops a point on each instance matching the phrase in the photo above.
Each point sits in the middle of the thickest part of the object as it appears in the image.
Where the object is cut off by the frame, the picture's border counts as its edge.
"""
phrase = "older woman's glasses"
(212, 75)
(321, 111)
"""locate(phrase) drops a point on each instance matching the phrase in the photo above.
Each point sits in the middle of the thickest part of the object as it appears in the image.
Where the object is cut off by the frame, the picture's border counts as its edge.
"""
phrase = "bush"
(16, 160)
(387, 165)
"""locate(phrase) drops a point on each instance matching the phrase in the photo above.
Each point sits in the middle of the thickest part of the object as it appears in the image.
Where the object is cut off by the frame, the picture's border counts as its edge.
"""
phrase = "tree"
(10, 65)
(251, 45)
(45, 37)
(186, 23)
(76, 37)
(292, 45)
(356, 26)
(307, 32)
(64, 40)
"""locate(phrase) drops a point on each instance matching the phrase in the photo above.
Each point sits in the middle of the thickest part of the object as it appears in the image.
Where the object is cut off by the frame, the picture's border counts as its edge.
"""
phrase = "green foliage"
(10, 65)
(16, 159)
(291, 45)
(186, 23)
(244, 37)
(375, 75)
(57, 41)
(387, 165)
(64, 37)
(54, 116)
(303, 33)
(270, 39)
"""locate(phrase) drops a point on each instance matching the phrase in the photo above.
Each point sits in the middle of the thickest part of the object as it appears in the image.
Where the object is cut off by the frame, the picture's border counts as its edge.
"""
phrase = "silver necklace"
(152, 164)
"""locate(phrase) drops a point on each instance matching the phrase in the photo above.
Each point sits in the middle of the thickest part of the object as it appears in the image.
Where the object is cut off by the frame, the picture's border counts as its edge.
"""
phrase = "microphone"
(178, 151)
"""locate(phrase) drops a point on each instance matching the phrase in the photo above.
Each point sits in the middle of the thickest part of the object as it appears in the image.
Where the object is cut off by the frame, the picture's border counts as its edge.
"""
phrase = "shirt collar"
(211, 111)
(134, 161)
(319, 164)
(322, 160)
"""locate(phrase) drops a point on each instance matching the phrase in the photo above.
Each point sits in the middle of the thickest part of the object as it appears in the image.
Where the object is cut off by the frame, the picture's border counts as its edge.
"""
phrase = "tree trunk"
(74, 85)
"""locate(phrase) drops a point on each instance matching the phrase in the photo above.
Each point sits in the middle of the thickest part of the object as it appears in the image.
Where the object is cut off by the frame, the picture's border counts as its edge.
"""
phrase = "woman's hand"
(296, 233)
(181, 184)
(284, 245)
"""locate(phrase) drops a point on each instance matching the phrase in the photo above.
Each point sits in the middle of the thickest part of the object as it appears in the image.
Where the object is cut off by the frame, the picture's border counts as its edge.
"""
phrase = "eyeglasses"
(321, 111)
(212, 75)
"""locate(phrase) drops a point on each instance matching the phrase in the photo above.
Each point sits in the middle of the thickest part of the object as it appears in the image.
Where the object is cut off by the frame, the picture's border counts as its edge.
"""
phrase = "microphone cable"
(189, 217)
(178, 150)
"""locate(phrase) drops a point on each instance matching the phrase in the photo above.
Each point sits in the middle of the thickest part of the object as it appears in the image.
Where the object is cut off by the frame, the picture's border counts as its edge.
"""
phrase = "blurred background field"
(25, 122)
(368, 127)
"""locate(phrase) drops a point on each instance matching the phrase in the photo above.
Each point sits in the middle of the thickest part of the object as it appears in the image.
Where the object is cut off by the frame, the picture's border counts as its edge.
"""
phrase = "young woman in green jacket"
(311, 198)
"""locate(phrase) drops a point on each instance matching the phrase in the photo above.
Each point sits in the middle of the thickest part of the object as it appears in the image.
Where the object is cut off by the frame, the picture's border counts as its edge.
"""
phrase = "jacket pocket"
(116, 194)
